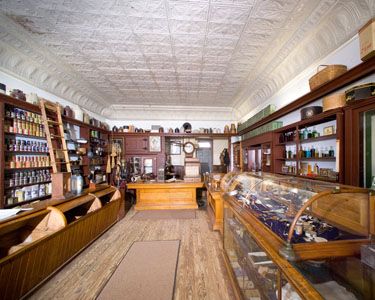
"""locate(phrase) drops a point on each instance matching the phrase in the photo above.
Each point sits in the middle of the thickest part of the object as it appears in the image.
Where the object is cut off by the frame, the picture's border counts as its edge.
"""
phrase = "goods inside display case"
(299, 215)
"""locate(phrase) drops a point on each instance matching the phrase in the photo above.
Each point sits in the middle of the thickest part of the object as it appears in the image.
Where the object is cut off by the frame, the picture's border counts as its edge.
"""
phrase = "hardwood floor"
(200, 274)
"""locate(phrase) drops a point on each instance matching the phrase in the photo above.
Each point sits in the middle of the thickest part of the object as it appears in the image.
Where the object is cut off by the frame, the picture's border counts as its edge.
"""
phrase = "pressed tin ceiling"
(212, 59)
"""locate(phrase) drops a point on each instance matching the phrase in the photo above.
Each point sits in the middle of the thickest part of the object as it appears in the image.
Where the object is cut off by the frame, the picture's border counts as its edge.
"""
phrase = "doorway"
(204, 154)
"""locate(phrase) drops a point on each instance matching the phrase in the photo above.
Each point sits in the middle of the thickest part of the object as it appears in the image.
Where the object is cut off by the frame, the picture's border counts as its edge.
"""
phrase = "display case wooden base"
(36, 244)
(215, 206)
(177, 195)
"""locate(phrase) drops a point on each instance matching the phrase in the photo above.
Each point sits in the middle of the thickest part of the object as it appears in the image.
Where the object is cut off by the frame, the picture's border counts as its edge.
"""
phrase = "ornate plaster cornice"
(23, 58)
(331, 25)
(147, 112)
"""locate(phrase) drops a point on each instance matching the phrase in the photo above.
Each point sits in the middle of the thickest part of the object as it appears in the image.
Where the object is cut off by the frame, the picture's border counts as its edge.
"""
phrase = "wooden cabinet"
(312, 148)
(258, 153)
(136, 145)
(359, 141)
(20, 124)
(35, 244)
(178, 195)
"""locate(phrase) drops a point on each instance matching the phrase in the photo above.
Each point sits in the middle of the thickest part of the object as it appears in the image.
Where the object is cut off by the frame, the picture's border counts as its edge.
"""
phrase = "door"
(204, 154)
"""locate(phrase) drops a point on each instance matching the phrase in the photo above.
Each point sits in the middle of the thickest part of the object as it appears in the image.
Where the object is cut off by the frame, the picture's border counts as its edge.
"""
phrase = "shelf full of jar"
(26, 177)
(316, 170)
(29, 161)
(325, 153)
(305, 136)
(27, 194)
(22, 122)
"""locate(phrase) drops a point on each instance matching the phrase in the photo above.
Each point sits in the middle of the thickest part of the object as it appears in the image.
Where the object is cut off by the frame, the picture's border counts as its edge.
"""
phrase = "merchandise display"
(318, 241)
(326, 74)
(299, 214)
(310, 111)
(360, 92)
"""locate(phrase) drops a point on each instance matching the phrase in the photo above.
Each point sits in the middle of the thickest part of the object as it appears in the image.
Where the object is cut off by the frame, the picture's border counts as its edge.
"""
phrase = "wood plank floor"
(200, 274)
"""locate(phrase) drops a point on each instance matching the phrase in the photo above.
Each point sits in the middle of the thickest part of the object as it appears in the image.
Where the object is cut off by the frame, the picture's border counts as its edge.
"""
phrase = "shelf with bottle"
(18, 121)
(316, 170)
(316, 152)
(11, 205)
(27, 194)
(25, 146)
(24, 178)
(27, 161)
(287, 137)
(289, 167)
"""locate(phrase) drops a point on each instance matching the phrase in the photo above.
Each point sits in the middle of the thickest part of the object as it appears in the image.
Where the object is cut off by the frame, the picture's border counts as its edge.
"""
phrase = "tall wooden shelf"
(348, 160)
(7, 101)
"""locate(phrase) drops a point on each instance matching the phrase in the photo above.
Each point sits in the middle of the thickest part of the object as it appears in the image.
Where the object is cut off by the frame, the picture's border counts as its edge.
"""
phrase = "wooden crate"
(334, 101)
(367, 40)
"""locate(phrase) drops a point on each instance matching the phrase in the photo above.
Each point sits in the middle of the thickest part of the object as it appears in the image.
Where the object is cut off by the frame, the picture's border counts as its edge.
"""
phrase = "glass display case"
(292, 238)
(306, 219)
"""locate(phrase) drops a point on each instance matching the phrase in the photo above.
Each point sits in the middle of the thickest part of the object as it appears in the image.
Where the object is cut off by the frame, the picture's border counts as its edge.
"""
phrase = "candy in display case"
(305, 219)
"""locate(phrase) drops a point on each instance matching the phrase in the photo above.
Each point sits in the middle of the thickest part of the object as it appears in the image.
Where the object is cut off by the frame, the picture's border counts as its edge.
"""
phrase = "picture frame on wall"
(175, 148)
(154, 143)
(328, 130)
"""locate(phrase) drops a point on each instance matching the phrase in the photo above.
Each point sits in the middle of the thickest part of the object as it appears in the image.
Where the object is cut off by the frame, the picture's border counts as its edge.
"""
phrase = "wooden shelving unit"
(10, 102)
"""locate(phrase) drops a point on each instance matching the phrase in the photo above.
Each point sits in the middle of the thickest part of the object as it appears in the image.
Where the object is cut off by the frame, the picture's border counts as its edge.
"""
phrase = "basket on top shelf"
(329, 73)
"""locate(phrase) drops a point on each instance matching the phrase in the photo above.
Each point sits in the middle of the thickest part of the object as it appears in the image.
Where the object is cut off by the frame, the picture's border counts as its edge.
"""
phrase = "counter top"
(40, 205)
(162, 184)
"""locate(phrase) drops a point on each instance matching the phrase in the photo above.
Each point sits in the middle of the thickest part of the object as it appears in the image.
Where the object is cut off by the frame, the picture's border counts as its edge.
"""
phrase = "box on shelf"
(334, 101)
(257, 117)
(367, 40)
(262, 129)
(310, 111)
(360, 92)
(329, 73)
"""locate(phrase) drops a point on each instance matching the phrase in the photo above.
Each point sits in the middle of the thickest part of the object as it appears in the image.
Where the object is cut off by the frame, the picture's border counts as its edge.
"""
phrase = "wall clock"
(189, 148)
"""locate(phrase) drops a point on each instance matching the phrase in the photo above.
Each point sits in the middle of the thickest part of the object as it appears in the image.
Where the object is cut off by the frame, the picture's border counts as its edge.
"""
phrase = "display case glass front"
(300, 214)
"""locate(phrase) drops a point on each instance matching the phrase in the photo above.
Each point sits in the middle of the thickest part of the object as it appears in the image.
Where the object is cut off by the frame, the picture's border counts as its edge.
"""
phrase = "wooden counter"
(35, 244)
(165, 195)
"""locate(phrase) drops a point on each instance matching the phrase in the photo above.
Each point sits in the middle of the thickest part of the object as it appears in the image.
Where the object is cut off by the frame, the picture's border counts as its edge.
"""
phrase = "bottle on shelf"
(316, 169)
(309, 134)
(331, 152)
(315, 133)
(312, 154)
(305, 134)
(308, 169)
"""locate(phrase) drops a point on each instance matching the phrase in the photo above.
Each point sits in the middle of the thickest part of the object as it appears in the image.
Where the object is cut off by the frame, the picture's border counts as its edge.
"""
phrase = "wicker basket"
(334, 101)
(327, 74)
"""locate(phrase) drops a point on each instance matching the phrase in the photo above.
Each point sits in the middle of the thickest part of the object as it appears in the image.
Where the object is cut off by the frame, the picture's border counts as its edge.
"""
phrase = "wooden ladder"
(54, 108)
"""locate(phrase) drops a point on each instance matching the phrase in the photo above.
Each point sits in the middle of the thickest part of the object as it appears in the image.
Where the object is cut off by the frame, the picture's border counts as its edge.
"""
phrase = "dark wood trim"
(2, 155)
(355, 73)
(36, 109)
(353, 138)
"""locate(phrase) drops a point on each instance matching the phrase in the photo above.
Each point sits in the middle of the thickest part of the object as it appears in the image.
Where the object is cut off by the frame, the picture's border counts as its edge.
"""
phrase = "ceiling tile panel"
(173, 52)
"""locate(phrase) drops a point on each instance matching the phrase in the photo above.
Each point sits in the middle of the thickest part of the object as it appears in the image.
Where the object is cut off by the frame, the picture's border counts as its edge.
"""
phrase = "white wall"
(347, 54)
(15, 83)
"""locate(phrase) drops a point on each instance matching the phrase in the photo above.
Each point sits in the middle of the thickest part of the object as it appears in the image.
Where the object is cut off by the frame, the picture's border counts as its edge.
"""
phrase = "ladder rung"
(50, 106)
(61, 162)
(58, 136)
(54, 122)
